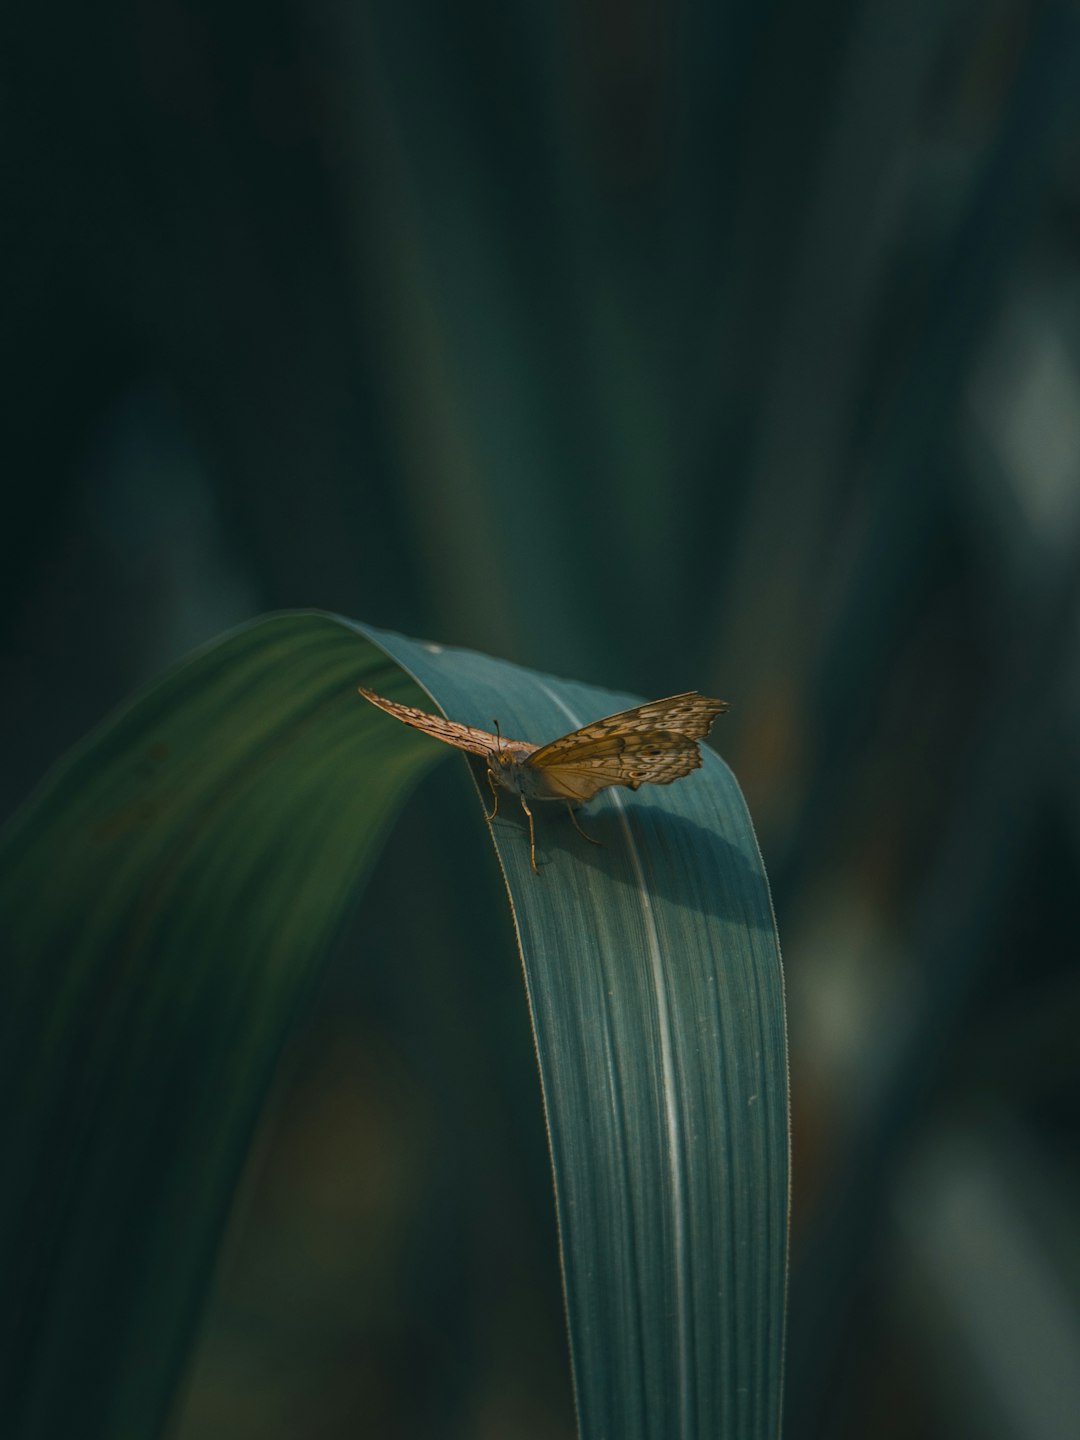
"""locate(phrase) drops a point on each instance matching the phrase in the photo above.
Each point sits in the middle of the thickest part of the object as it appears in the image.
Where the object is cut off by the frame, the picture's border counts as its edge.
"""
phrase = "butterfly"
(652, 744)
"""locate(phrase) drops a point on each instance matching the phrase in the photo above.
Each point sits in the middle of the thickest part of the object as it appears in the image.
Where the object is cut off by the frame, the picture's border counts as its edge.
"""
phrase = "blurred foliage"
(732, 347)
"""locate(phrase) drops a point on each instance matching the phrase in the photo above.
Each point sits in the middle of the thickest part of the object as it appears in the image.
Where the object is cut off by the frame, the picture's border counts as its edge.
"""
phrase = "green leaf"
(167, 903)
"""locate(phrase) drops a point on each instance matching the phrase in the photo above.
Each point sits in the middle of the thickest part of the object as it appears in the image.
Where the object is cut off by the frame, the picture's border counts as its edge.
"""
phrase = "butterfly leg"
(532, 834)
(591, 839)
(494, 796)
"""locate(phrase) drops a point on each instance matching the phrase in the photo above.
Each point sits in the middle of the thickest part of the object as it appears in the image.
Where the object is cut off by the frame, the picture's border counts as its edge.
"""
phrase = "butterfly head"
(502, 757)
(507, 764)
(499, 758)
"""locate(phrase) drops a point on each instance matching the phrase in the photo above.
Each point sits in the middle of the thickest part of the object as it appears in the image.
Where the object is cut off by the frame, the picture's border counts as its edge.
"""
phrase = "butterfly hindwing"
(576, 772)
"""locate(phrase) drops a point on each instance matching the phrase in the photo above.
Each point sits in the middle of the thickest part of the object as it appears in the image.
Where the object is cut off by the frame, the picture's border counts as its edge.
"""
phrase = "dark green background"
(664, 345)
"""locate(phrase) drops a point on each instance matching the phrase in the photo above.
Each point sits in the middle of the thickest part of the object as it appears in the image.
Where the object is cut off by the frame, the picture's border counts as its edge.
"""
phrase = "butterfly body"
(510, 768)
(654, 743)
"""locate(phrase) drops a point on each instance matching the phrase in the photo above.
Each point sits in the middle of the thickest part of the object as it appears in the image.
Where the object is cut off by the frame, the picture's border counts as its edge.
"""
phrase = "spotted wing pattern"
(464, 737)
(654, 743)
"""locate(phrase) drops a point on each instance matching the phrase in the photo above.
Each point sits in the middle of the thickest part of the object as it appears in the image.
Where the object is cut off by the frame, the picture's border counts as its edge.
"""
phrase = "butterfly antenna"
(498, 735)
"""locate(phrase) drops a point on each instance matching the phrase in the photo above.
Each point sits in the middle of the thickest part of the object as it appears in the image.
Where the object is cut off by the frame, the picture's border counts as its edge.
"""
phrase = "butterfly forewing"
(464, 737)
(688, 716)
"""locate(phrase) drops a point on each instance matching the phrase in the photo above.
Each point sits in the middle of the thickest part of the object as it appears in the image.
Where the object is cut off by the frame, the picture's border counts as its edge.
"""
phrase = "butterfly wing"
(647, 757)
(464, 737)
(689, 715)
(654, 743)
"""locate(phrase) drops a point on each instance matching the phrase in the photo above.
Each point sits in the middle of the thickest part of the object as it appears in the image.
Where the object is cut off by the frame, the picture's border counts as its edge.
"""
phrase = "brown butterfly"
(651, 744)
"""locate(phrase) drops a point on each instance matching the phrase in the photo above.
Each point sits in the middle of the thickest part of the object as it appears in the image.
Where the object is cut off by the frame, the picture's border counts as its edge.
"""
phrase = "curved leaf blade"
(200, 851)
(654, 981)
(166, 902)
